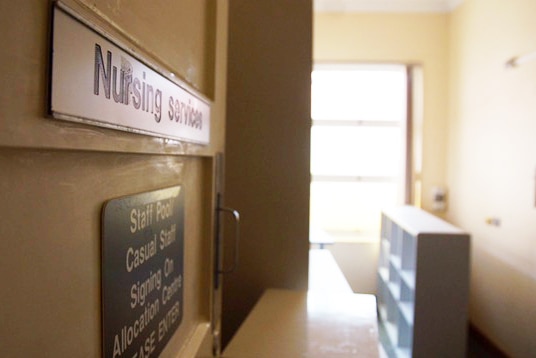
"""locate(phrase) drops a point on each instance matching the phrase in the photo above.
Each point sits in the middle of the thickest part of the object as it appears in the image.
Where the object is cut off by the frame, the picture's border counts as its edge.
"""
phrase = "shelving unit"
(423, 284)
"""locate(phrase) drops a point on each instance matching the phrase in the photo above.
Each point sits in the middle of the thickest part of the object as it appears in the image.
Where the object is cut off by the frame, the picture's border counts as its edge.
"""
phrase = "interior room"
(161, 187)
(477, 109)
(473, 141)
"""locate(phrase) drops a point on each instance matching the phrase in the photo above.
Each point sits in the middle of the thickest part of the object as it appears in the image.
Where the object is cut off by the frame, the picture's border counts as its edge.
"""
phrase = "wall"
(491, 164)
(267, 149)
(359, 263)
(56, 175)
(408, 38)
(400, 38)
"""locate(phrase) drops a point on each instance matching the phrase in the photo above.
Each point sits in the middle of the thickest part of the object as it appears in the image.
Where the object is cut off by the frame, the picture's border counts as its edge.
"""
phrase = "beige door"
(267, 150)
(56, 176)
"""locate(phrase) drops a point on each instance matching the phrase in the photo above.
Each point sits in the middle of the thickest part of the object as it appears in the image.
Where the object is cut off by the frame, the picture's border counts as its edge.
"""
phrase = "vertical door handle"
(236, 215)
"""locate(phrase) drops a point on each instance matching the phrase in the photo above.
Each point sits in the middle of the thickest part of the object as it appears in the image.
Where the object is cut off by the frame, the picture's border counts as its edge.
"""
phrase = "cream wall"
(492, 163)
(267, 149)
(397, 38)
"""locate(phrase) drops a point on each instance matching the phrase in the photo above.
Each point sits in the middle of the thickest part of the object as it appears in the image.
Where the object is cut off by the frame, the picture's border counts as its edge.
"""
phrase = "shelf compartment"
(395, 240)
(405, 333)
(383, 260)
(406, 293)
(382, 286)
(408, 251)
(391, 304)
(408, 277)
(384, 274)
(394, 278)
(392, 333)
(407, 311)
(394, 289)
(396, 262)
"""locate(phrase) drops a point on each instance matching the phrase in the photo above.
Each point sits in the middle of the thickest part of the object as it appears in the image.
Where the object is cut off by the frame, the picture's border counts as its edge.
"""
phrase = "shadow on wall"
(359, 263)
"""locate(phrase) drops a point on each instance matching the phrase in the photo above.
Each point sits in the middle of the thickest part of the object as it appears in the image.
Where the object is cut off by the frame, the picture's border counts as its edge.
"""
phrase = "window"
(357, 147)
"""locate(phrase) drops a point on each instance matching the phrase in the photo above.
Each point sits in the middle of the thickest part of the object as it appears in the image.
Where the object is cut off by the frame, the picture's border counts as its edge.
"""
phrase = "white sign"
(97, 82)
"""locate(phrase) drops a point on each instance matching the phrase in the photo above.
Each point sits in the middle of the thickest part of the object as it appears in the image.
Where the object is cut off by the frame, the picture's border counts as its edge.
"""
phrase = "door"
(57, 176)
(267, 150)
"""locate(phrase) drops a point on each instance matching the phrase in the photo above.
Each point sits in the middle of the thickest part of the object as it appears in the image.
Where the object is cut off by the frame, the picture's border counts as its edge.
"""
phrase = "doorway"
(362, 159)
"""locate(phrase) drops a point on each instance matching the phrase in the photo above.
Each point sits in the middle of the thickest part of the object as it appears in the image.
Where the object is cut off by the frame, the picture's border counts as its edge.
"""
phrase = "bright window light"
(357, 147)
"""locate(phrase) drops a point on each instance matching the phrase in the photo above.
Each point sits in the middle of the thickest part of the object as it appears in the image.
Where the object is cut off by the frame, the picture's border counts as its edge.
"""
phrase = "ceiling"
(385, 5)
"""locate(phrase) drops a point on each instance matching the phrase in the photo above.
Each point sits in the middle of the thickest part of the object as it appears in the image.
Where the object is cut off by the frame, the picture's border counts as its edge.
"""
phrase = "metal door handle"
(236, 216)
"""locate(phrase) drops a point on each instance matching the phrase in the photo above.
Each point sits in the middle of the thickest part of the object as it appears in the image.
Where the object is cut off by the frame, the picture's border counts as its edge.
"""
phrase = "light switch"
(439, 198)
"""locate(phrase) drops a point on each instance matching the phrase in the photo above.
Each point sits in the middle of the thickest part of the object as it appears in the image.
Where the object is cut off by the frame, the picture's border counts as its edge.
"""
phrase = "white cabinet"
(423, 284)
